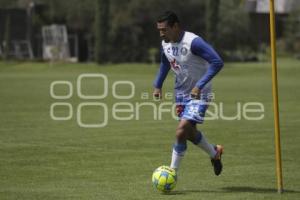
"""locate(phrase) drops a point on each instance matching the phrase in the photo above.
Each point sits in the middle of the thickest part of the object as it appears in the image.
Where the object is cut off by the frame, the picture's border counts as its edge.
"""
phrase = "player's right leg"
(180, 146)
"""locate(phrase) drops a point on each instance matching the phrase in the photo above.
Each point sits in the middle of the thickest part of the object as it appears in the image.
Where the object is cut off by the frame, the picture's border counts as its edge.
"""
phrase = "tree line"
(125, 30)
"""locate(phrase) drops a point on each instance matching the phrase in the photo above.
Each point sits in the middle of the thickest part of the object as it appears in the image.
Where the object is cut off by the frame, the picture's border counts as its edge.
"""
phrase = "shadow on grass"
(184, 192)
(254, 189)
(232, 189)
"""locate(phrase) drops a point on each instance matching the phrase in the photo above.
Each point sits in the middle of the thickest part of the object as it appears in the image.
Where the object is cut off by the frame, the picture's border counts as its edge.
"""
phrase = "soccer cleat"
(216, 161)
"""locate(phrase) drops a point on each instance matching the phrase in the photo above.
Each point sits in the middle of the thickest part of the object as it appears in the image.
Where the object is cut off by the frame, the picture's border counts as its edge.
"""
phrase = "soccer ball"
(164, 178)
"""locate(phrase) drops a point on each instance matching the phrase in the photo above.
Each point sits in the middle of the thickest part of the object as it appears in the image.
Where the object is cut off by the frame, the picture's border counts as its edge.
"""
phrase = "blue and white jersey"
(187, 67)
(193, 61)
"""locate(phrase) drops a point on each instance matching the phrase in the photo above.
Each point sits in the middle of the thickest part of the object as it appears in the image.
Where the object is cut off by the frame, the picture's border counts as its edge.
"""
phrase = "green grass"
(45, 159)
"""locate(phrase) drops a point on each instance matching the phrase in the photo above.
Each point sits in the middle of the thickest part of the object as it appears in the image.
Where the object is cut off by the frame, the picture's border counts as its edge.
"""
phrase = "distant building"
(263, 6)
(259, 16)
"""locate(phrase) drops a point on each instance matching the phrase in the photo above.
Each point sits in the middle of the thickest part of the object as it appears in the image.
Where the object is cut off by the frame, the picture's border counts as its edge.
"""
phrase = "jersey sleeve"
(163, 71)
(200, 48)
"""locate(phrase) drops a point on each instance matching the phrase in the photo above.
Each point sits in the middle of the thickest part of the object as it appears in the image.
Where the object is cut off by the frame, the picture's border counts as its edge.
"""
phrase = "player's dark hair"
(168, 16)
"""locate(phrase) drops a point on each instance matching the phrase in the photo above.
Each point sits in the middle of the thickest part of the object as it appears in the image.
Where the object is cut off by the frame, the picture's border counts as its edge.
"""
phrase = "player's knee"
(196, 137)
(180, 148)
(181, 134)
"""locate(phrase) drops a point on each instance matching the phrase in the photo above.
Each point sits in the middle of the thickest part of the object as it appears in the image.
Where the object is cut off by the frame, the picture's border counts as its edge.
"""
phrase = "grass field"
(41, 158)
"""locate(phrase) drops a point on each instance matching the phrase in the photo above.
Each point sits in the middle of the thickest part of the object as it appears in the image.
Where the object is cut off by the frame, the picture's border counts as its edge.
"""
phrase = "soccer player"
(194, 63)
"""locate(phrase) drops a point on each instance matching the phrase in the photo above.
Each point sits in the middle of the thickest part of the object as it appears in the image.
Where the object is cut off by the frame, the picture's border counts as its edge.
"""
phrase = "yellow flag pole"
(275, 99)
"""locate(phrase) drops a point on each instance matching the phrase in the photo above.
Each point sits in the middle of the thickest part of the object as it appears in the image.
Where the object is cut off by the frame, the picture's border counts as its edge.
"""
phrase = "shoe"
(216, 161)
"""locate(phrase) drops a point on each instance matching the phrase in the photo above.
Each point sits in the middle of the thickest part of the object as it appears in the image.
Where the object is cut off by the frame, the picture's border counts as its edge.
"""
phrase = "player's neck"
(179, 36)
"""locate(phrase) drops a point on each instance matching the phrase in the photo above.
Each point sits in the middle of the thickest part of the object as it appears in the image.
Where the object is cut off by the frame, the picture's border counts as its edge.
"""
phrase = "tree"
(233, 28)
(101, 30)
(292, 31)
(212, 20)
(8, 3)
(7, 33)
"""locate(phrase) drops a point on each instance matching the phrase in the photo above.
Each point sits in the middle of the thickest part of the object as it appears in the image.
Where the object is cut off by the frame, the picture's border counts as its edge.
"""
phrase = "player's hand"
(157, 93)
(179, 109)
(195, 94)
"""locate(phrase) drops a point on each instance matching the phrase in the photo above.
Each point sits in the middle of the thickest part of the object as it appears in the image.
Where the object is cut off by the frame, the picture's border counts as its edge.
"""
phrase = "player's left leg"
(198, 139)
(194, 112)
(214, 151)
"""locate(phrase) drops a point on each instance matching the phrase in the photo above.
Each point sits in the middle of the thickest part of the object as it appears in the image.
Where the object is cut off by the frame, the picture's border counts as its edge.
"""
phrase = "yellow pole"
(275, 99)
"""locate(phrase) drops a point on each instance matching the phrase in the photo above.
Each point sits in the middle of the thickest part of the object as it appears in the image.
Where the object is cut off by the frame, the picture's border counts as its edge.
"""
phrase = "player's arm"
(204, 50)
(161, 76)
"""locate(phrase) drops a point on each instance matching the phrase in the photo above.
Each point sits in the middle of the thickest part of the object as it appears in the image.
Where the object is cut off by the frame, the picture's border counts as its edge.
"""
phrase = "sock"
(201, 142)
(177, 154)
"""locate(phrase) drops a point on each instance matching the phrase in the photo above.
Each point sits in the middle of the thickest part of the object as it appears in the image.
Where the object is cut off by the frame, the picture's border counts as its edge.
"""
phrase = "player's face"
(165, 31)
